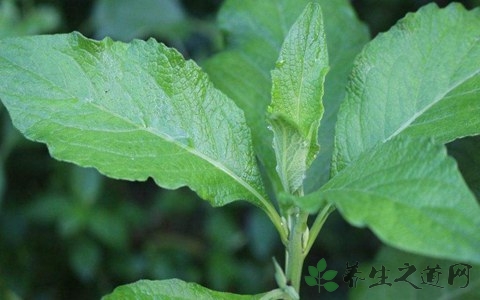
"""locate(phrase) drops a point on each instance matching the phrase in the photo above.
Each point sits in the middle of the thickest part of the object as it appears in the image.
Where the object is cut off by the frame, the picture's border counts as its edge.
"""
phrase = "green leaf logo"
(316, 278)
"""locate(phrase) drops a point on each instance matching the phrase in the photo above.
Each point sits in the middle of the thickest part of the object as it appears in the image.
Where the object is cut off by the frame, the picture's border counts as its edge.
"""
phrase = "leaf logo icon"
(316, 278)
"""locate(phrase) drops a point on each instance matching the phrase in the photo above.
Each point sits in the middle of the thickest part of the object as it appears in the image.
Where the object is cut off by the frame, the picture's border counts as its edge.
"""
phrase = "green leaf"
(85, 258)
(346, 36)
(394, 259)
(321, 265)
(125, 20)
(411, 195)
(311, 281)
(170, 289)
(329, 275)
(30, 20)
(108, 228)
(243, 72)
(299, 74)
(291, 152)
(405, 83)
(330, 286)
(279, 275)
(297, 91)
(313, 271)
(465, 151)
(132, 111)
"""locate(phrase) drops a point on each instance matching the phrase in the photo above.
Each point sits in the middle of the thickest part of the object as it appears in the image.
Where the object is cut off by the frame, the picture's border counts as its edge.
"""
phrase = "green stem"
(295, 251)
(277, 222)
(273, 294)
(318, 224)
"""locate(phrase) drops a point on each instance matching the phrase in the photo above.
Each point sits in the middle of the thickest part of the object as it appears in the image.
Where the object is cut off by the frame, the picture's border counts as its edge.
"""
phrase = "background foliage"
(70, 233)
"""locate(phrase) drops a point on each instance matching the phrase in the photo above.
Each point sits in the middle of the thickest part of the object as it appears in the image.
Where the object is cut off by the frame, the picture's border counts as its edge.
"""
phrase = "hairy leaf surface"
(255, 32)
(170, 289)
(421, 78)
(132, 111)
(297, 91)
(414, 200)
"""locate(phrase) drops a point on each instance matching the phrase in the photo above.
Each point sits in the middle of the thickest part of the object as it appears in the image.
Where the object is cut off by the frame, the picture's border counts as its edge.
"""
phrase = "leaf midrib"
(191, 150)
(163, 136)
(430, 105)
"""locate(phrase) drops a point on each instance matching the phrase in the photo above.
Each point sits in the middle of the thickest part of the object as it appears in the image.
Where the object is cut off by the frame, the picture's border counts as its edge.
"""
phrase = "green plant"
(140, 110)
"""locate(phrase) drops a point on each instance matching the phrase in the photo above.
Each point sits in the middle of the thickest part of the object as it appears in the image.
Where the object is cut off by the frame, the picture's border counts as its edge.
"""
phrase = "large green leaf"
(297, 91)
(132, 111)
(170, 289)
(411, 195)
(421, 78)
(435, 287)
(255, 32)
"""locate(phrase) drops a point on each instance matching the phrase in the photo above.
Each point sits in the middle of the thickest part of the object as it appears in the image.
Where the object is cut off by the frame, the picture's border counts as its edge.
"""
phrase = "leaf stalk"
(317, 225)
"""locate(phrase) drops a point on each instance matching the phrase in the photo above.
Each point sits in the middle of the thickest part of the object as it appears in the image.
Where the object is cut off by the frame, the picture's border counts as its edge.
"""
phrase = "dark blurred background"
(69, 233)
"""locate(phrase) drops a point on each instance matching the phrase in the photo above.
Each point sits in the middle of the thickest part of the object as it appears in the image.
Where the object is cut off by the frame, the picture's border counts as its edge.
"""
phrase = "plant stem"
(318, 224)
(295, 255)
(273, 294)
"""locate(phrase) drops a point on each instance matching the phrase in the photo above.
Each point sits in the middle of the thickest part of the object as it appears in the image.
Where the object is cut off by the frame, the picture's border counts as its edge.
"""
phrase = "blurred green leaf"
(125, 20)
(85, 257)
(223, 270)
(169, 289)
(109, 227)
(6, 294)
(253, 276)
(223, 232)
(74, 219)
(175, 202)
(47, 208)
(35, 20)
(174, 262)
(129, 265)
